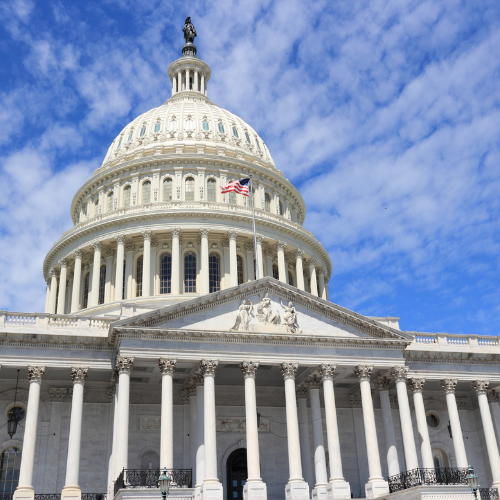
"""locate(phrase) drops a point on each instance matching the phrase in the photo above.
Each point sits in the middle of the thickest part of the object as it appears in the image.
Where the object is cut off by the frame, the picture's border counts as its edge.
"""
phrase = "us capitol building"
(159, 348)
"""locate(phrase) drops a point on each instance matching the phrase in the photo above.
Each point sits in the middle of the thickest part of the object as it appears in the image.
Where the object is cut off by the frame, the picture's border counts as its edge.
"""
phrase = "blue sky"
(385, 114)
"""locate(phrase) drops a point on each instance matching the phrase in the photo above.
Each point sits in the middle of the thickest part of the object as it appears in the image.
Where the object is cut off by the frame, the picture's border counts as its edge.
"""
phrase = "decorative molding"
(97, 246)
(176, 231)
(355, 400)
(204, 232)
(280, 245)
(493, 396)
(36, 373)
(363, 372)
(399, 373)
(462, 403)
(63, 263)
(79, 374)
(167, 366)
(327, 371)
(147, 235)
(314, 380)
(249, 369)
(149, 423)
(416, 384)
(480, 386)
(129, 247)
(124, 364)
(238, 424)
(289, 370)
(232, 235)
(78, 253)
(449, 385)
(57, 393)
(383, 383)
(120, 239)
(301, 391)
(209, 367)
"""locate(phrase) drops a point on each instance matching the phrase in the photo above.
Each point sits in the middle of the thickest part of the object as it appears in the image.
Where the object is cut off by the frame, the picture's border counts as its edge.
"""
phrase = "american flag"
(240, 187)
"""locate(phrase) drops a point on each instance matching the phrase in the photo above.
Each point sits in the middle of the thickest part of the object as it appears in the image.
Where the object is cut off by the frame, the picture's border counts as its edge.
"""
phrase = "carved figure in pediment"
(245, 311)
(290, 318)
(265, 312)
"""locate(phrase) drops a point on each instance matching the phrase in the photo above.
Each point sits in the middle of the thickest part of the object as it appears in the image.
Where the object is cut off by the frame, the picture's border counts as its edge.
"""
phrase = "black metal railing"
(47, 496)
(148, 478)
(94, 496)
(488, 493)
(417, 477)
(57, 496)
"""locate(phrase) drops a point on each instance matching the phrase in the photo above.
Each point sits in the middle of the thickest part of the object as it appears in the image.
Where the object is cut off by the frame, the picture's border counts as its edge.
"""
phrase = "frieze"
(235, 424)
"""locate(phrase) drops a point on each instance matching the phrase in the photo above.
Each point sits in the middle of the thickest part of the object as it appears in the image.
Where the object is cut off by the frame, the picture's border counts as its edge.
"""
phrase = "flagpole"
(254, 233)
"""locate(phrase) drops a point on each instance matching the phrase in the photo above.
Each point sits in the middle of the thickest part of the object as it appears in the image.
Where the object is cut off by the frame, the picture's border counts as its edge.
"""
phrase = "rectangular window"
(189, 189)
(211, 190)
(167, 190)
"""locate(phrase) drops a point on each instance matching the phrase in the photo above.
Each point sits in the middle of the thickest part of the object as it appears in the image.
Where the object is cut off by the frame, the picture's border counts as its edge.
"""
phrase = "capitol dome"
(151, 225)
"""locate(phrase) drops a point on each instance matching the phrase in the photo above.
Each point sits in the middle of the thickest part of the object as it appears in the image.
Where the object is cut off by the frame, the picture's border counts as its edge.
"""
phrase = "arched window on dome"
(102, 283)
(157, 127)
(205, 125)
(10, 465)
(166, 273)
(280, 207)
(235, 133)
(109, 202)
(211, 190)
(290, 278)
(232, 195)
(189, 124)
(258, 144)
(220, 125)
(189, 272)
(119, 143)
(276, 273)
(143, 131)
(138, 276)
(267, 202)
(86, 286)
(239, 267)
(189, 192)
(146, 192)
(247, 136)
(167, 189)
(172, 126)
(130, 135)
(214, 272)
(126, 196)
(96, 207)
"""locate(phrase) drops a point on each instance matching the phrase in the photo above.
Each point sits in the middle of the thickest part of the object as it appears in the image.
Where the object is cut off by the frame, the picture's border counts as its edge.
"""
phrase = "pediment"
(266, 306)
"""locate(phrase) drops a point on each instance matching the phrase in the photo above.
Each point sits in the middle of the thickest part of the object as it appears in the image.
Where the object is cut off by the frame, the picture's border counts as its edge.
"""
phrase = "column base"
(319, 492)
(339, 490)
(197, 493)
(255, 490)
(71, 493)
(376, 488)
(297, 490)
(24, 493)
(212, 491)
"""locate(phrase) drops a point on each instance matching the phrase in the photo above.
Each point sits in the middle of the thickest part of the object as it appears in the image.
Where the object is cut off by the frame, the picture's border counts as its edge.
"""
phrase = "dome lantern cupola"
(189, 73)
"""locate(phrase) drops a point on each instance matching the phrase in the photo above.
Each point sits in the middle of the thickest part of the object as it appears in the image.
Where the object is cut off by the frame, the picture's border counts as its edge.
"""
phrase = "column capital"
(97, 246)
(167, 366)
(57, 393)
(299, 253)
(312, 263)
(154, 242)
(399, 373)
(198, 380)
(320, 271)
(36, 373)
(53, 273)
(124, 364)
(289, 370)
(225, 243)
(204, 232)
(449, 384)
(249, 369)
(232, 235)
(259, 238)
(185, 396)
(416, 384)
(78, 253)
(79, 374)
(493, 396)
(209, 367)
(355, 400)
(383, 383)
(280, 245)
(480, 386)
(327, 371)
(109, 252)
(364, 372)
(120, 239)
(129, 247)
(249, 247)
(63, 262)
(301, 391)
(147, 235)
(176, 231)
(269, 252)
(314, 381)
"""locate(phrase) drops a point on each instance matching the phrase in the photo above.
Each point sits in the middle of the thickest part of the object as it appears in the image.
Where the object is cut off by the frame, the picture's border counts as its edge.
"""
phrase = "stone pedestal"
(71, 493)
(212, 491)
(319, 493)
(297, 490)
(255, 490)
(24, 493)
(376, 489)
(338, 490)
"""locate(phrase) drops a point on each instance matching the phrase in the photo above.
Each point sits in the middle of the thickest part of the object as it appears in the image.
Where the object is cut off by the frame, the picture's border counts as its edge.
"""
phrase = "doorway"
(236, 474)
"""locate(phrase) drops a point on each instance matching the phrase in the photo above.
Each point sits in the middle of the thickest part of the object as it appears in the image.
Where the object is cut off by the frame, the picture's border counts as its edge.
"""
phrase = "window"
(214, 272)
(10, 463)
(157, 127)
(189, 124)
(173, 125)
(290, 278)
(189, 189)
(189, 272)
(232, 197)
(235, 133)
(130, 136)
(432, 420)
(247, 138)
(211, 190)
(239, 267)
(276, 274)
(258, 144)
(146, 192)
(102, 283)
(267, 203)
(143, 130)
(205, 125)
(221, 127)
(126, 196)
(109, 203)
(86, 285)
(119, 142)
(138, 276)
(96, 207)
(167, 189)
(166, 273)
(281, 207)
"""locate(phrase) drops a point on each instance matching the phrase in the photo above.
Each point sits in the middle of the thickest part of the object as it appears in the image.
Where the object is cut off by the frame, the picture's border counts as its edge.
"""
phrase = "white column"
(113, 395)
(417, 385)
(200, 432)
(205, 284)
(260, 263)
(167, 368)
(179, 81)
(280, 248)
(71, 488)
(338, 487)
(25, 489)
(176, 261)
(53, 291)
(94, 290)
(211, 487)
(312, 273)
(400, 373)
(153, 272)
(187, 79)
(250, 260)
(146, 266)
(269, 261)
(129, 263)
(481, 388)
(296, 488)
(61, 300)
(305, 438)
(47, 296)
(321, 284)
(233, 264)
(376, 486)
(456, 429)
(195, 81)
(384, 384)
(254, 488)
(202, 86)
(107, 287)
(494, 400)
(124, 366)
(193, 429)
(120, 252)
(299, 269)
(174, 85)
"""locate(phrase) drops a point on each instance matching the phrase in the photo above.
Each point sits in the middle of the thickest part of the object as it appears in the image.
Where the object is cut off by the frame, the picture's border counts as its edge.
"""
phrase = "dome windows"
(280, 204)
(157, 127)
(220, 125)
(189, 124)
(214, 272)
(130, 135)
(138, 276)
(126, 196)
(205, 125)
(146, 192)
(235, 133)
(172, 126)
(109, 202)
(248, 138)
(267, 203)
(189, 272)
(167, 189)
(258, 144)
(189, 192)
(166, 273)
(143, 131)
(119, 143)
(211, 190)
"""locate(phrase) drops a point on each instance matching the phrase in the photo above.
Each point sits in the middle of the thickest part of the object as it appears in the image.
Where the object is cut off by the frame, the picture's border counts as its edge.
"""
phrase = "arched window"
(129, 138)
(258, 144)
(146, 192)
(189, 189)
(143, 130)
(10, 463)
(189, 124)
(166, 273)
(126, 196)
(239, 267)
(221, 127)
(119, 142)
(205, 125)
(138, 277)
(290, 278)
(102, 283)
(96, 207)
(214, 271)
(86, 286)
(281, 207)
(109, 203)
(276, 273)
(189, 272)
(172, 126)
(267, 203)
(167, 189)
(235, 132)
(211, 190)
(157, 127)
(248, 138)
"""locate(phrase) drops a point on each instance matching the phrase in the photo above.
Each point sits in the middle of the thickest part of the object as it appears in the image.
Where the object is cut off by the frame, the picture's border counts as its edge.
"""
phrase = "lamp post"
(13, 417)
(472, 480)
(164, 483)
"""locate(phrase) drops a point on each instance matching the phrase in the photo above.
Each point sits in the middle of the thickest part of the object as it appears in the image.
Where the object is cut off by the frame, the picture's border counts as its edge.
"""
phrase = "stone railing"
(454, 340)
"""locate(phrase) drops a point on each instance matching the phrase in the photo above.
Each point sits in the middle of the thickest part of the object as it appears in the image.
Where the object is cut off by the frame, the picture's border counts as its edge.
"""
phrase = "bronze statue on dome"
(189, 31)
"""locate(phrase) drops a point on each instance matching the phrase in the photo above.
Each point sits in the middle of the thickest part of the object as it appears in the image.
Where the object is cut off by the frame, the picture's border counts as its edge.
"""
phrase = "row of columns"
(56, 292)
(181, 81)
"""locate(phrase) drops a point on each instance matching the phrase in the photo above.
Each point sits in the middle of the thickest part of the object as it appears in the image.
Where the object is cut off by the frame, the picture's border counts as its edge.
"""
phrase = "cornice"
(55, 342)
(452, 357)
